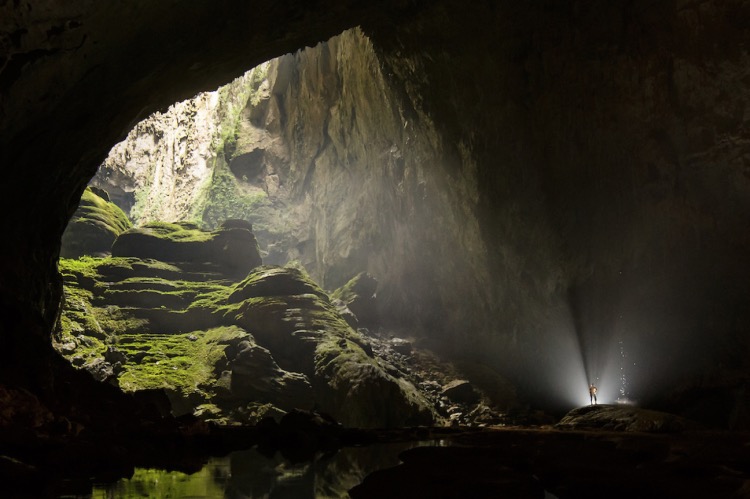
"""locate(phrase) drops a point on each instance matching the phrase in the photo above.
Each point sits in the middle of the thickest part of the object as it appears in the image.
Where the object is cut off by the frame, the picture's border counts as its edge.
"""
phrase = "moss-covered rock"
(273, 339)
(306, 334)
(253, 374)
(357, 391)
(233, 249)
(275, 281)
(359, 297)
(94, 226)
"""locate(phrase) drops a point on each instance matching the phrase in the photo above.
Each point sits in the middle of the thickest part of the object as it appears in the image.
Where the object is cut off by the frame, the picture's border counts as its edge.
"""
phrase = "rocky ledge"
(625, 418)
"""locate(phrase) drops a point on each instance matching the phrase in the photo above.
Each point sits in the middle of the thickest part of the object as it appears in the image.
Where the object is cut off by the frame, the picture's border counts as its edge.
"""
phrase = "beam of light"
(568, 379)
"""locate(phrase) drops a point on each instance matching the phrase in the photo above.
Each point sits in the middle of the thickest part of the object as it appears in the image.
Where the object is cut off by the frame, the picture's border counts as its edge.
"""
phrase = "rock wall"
(372, 187)
(611, 155)
(352, 181)
(161, 169)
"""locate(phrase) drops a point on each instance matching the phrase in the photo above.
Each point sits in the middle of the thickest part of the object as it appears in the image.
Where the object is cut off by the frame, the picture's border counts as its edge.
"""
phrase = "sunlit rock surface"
(347, 181)
(94, 227)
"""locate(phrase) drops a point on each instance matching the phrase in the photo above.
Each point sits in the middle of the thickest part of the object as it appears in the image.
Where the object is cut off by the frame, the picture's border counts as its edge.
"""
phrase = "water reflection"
(250, 474)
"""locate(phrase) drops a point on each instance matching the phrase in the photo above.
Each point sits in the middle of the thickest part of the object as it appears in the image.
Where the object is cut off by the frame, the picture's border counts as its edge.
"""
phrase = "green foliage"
(142, 195)
(360, 285)
(222, 197)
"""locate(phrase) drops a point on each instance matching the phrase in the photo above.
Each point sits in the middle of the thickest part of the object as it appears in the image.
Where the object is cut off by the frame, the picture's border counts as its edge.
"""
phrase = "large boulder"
(94, 226)
(271, 280)
(232, 248)
(255, 375)
(460, 390)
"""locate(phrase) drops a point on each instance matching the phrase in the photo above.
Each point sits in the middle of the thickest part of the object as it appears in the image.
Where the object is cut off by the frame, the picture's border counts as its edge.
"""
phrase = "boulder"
(461, 391)
(233, 249)
(94, 226)
(256, 376)
(275, 281)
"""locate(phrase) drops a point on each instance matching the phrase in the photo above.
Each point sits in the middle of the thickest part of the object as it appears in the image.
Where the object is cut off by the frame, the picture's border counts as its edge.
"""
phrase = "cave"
(553, 193)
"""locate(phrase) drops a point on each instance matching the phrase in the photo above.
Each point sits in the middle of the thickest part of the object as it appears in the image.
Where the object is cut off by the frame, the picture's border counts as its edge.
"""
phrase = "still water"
(250, 474)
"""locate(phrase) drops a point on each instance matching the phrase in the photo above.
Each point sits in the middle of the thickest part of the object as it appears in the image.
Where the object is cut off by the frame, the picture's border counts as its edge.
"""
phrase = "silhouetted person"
(592, 394)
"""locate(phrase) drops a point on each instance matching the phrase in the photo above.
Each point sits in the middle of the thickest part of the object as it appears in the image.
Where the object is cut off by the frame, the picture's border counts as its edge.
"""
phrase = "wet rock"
(625, 418)
(101, 370)
(114, 355)
(460, 390)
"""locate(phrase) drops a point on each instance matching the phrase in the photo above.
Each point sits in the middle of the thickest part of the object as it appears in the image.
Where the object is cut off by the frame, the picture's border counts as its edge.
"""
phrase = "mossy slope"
(94, 226)
(224, 348)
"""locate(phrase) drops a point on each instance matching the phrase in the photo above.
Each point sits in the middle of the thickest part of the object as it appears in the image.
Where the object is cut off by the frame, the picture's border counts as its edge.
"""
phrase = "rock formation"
(94, 227)
(168, 312)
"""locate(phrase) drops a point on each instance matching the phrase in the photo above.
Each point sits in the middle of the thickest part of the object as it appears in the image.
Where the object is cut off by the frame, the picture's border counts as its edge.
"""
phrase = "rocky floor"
(456, 397)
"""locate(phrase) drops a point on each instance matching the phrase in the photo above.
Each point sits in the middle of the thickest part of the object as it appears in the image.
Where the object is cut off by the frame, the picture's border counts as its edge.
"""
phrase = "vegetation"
(224, 198)
(180, 362)
(147, 324)
(94, 226)
(176, 232)
(95, 209)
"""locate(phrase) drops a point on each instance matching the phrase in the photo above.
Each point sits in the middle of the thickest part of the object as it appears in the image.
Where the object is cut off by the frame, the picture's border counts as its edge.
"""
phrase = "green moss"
(93, 207)
(258, 75)
(225, 199)
(361, 285)
(176, 232)
(85, 266)
(214, 300)
(182, 362)
(222, 197)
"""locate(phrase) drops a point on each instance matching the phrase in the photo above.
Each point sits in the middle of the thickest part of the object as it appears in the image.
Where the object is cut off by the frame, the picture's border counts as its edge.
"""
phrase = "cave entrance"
(301, 164)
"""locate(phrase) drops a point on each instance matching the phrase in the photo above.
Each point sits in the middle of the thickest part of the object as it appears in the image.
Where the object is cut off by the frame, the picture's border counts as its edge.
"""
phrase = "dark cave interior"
(568, 200)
